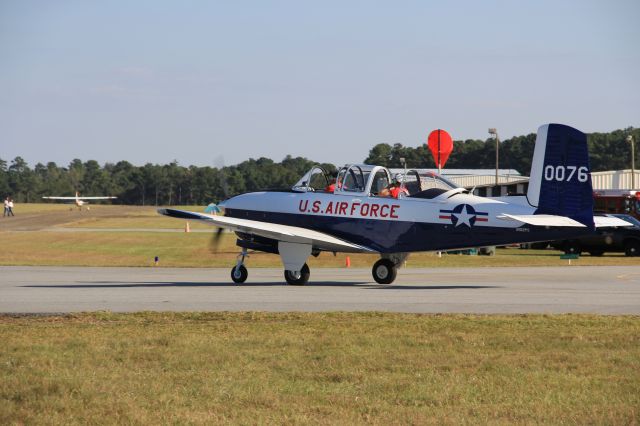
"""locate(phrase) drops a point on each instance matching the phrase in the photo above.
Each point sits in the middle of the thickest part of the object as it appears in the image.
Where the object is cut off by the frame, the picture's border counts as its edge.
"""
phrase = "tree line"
(173, 184)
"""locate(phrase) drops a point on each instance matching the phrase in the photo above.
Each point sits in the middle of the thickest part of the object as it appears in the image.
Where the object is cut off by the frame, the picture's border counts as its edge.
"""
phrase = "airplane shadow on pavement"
(363, 285)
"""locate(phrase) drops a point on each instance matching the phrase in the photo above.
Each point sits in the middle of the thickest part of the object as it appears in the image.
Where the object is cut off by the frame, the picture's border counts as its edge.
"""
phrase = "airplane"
(80, 201)
(436, 215)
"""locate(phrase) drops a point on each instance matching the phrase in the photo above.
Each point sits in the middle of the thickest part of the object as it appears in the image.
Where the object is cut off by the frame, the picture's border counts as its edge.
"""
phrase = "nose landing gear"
(239, 272)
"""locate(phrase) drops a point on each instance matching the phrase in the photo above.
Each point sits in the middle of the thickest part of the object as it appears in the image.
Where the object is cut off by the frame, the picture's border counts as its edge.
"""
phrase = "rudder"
(560, 182)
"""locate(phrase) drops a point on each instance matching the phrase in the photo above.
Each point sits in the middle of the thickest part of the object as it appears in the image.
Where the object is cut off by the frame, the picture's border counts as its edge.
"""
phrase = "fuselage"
(450, 220)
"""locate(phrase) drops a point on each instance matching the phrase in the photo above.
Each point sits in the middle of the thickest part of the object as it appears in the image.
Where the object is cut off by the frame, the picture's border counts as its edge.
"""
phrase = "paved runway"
(572, 289)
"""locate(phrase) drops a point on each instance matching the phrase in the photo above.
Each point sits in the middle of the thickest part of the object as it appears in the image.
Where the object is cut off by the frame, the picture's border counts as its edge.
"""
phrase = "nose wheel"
(384, 271)
(239, 272)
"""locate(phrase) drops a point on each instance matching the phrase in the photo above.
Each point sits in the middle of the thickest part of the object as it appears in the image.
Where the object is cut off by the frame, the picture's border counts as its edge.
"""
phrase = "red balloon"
(441, 145)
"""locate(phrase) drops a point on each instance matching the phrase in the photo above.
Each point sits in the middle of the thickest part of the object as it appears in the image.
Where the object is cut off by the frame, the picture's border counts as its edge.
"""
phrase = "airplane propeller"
(216, 238)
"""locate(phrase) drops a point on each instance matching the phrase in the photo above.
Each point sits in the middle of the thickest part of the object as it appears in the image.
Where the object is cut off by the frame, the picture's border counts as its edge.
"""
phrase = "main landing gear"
(300, 277)
(385, 270)
(292, 255)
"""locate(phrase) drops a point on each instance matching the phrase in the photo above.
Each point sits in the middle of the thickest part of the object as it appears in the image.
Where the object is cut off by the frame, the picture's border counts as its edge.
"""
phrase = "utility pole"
(633, 162)
(493, 131)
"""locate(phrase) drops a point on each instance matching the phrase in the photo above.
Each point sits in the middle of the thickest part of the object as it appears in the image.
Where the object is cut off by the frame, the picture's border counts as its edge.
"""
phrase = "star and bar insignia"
(464, 214)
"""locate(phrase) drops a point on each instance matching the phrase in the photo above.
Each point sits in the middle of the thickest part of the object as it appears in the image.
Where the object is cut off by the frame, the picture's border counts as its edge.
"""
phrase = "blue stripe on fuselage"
(394, 236)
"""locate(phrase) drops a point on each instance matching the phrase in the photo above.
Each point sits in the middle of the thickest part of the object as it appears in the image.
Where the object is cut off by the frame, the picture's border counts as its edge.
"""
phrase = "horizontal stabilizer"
(543, 220)
(608, 221)
(275, 231)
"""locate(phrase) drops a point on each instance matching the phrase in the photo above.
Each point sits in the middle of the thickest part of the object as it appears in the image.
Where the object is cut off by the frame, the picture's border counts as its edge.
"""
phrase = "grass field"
(192, 250)
(316, 368)
(332, 368)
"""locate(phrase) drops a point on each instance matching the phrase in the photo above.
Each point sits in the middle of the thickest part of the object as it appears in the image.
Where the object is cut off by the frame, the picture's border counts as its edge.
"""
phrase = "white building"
(512, 182)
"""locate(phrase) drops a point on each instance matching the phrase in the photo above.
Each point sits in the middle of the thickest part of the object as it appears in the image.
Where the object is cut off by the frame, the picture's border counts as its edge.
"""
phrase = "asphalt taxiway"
(574, 289)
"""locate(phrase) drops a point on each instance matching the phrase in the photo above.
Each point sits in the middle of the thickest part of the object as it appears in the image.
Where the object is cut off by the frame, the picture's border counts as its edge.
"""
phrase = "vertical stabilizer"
(560, 182)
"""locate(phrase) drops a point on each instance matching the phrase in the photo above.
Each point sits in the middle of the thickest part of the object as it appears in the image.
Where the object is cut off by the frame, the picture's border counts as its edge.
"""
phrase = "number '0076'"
(565, 174)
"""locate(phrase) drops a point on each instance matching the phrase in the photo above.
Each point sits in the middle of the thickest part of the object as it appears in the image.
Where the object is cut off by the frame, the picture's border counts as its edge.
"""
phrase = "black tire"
(596, 252)
(300, 279)
(632, 248)
(240, 275)
(572, 247)
(384, 271)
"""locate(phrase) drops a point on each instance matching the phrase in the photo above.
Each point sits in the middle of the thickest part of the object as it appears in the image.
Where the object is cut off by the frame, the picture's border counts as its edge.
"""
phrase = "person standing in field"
(6, 207)
(10, 207)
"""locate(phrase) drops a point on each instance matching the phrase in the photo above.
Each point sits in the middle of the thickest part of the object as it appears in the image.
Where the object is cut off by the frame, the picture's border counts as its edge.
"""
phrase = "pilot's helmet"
(398, 178)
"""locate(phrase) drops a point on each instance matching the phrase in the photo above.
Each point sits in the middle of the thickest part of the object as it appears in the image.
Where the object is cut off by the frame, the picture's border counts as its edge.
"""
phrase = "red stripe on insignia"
(481, 219)
(444, 217)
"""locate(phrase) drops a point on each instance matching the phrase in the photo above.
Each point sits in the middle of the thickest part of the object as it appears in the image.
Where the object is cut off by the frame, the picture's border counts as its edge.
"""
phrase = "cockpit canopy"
(368, 180)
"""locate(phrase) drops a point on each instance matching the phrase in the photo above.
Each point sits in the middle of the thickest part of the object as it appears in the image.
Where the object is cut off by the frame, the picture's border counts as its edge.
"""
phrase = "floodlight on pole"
(633, 162)
(494, 132)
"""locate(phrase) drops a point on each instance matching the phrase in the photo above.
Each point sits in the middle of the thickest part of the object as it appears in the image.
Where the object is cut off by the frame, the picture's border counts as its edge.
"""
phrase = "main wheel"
(300, 278)
(632, 248)
(384, 271)
(239, 275)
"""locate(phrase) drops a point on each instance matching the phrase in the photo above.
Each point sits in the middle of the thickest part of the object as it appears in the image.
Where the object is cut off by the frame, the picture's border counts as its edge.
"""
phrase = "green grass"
(332, 368)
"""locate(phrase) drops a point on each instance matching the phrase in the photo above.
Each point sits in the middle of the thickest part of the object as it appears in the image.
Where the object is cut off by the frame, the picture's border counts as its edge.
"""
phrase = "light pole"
(633, 162)
(493, 131)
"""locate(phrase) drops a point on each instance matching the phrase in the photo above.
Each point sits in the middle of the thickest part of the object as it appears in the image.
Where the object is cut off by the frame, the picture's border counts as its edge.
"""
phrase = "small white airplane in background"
(80, 201)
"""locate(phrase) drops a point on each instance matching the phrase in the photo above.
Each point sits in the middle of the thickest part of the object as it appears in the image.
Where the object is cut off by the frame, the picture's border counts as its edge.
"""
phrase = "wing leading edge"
(284, 233)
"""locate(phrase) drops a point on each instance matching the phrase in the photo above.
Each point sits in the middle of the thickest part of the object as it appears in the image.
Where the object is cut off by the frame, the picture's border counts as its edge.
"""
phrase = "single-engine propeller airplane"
(434, 215)
(79, 201)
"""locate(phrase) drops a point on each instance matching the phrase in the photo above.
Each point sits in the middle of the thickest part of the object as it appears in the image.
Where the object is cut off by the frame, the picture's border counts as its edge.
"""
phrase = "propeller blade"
(215, 240)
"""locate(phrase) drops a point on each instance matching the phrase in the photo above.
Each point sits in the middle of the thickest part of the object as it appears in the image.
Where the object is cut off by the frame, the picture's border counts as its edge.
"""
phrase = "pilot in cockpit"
(331, 187)
(395, 188)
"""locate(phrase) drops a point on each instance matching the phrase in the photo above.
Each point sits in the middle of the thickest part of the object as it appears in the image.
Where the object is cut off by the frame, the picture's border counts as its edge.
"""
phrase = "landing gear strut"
(239, 272)
(298, 278)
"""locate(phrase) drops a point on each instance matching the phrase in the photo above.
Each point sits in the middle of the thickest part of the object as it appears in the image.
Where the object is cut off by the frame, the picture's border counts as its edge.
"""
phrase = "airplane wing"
(608, 221)
(542, 220)
(96, 198)
(285, 233)
(59, 198)
(79, 198)
(552, 220)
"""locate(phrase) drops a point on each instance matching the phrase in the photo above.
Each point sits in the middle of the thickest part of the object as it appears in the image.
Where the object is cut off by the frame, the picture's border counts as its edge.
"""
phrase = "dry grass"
(333, 368)
(192, 250)
(78, 247)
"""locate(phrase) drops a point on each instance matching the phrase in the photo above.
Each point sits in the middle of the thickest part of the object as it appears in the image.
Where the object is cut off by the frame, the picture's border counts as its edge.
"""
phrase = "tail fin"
(560, 182)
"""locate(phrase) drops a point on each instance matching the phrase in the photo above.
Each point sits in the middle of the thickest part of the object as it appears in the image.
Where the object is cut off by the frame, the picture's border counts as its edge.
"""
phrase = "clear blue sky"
(154, 81)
